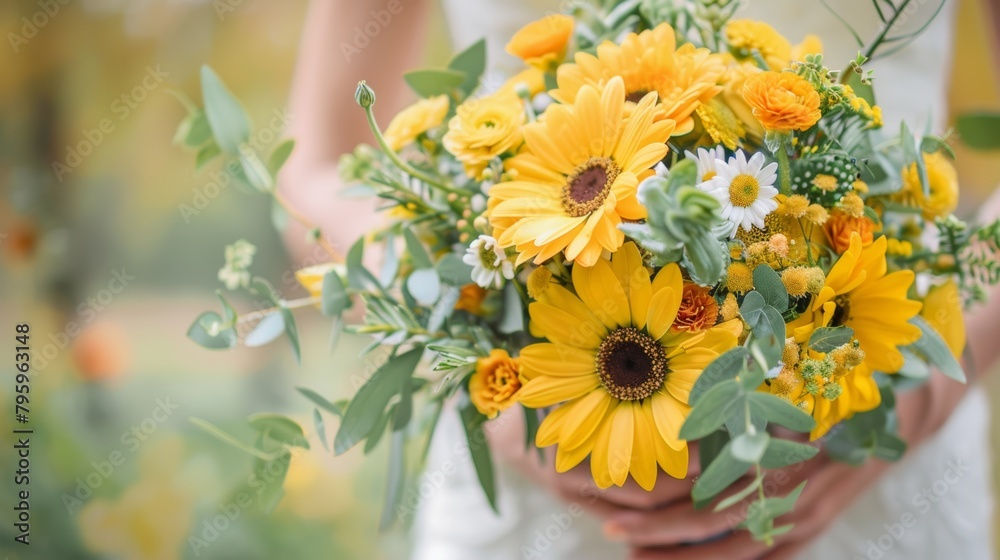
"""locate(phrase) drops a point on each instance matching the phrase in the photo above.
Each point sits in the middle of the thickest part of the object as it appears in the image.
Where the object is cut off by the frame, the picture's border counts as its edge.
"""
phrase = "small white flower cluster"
(744, 188)
(239, 257)
(489, 262)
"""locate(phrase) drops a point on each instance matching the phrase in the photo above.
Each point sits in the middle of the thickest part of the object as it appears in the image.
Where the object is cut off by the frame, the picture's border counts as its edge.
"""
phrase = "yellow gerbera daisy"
(683, 77)
(576, 178)
(623, 375)
(859, 294)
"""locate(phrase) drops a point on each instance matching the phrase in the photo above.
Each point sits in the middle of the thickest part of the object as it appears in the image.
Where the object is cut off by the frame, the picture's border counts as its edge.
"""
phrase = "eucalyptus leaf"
(279, 156)
(320, 427)
(782, 452)
(768, 283)
(207, 330)
(779, 411)
(395, 480)
(292, 332)
(334, 296)
(337, 409)
(226, 117)
(749, 448)
(424, 285)
(267, 330)
(513, 311)
(724, 470)
(370, 401)
(479, 449)
(472, 63)
(727, 366)
(432, 82)
(279, 428)
(711, 411)
(454, 271)
(416, 250)
(935, 349)
(825, 339)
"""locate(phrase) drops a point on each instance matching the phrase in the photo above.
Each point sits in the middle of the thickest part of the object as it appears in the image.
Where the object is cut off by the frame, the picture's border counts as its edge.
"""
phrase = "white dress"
(935, 504)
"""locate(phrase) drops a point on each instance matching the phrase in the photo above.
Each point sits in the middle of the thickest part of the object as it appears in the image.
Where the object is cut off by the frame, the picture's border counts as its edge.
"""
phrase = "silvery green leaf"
(424, 285)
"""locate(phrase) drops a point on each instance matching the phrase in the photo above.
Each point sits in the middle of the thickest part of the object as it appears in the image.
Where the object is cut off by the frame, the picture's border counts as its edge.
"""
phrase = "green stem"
(784, 167)
(406, 167)
(871, 47)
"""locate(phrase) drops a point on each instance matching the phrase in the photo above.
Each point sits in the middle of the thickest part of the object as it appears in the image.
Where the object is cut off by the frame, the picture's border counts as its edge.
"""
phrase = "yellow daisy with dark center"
(619, 375)
(576, 178)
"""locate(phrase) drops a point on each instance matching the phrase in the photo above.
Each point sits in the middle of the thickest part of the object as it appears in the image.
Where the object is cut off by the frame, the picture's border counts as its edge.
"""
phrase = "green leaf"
(711, 411)
(479, 449)
(779, 411)
(280, 428)
(531, 423)
(254, 171)
(430, 82)
(207, 330)
(750, 448)
(272, 475)
(911, 155)
(266, 331)
(224, 436)
(889, 447)
(206, 154)
(825, 339)
(752, 309)
(226, 117)
(711, 445)
(375, 435)
(453, 271)
(768, 283)
(395, 480)
(862, 90)
(292, 332)
(513, 311)
(279, 155)
(264, 289)
(228, 313)
(369, 403)
(979, 130)
(194, 131)
(416, 250)
(724, 470)
(932, 347)
(334, 297)
(424, 285)
(472, 63)
(337, 409)
(355, 274)
(769, 335)
(727, 366)
(320, 427)
(931, 144)
(782, 452)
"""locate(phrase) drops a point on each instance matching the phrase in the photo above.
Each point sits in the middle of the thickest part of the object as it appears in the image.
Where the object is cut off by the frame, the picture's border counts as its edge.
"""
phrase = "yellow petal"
(599, 456)
(546, 391)
(643, 466)
(600, 290)
(669, 414)
(561, 298)
(546, 358)
(584, 417)
(631, 272)
(620, 452)
(663, 308)
(669, 277)
(564, 328)
(551, 427)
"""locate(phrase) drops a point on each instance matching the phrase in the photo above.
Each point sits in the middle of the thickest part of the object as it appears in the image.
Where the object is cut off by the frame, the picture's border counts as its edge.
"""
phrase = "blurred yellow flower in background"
(683, 77)
(782, 101)
(542, 43)
(493, 387)
(747, 35)
(311, 277)
(943, 182)
(532, 79)
(415, 120)
(943, 311)
(484, 128)
(152, 518)
(810, 44)
(577, 177)
(733, 81)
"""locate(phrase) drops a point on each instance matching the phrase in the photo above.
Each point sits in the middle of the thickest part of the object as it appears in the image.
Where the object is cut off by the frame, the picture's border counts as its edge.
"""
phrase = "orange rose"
(841, 225)
(543, 42)
(782, 101)
(470, 298)
(698, 310)
(494, 386)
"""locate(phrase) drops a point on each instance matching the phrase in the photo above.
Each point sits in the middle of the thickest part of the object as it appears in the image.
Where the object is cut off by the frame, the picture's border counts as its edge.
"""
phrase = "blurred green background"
(97, 489)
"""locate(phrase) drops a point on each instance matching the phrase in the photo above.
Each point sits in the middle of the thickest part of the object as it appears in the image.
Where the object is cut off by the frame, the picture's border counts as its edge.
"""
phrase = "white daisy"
(706, 159)
(489, 262)
(745, 189)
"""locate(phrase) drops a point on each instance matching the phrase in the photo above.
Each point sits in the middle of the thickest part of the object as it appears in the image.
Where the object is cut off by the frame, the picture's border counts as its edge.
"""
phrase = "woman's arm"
(344, 41)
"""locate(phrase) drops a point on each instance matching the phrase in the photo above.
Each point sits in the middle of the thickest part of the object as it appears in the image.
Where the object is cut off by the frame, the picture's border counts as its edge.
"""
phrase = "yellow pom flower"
(943, 182)
(619, 375)
(899, 248)
(852, 205)
(860, 186)
(570, 196)
(494, 386)
(817, 214)
(415, 120)
(730, 308)
(683, 77)
(790, 355)
(824, 182)
(746, 35)
(796, 281)
(943, 310)
(739, 278)
(795, 206)
(538, 281)
(483, 129)
(782, 101)
(542, 43)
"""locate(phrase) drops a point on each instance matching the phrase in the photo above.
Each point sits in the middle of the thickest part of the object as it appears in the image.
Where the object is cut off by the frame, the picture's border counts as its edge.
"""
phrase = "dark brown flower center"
(636, 96)
(842, 313)
(632, 365)
(588, 186)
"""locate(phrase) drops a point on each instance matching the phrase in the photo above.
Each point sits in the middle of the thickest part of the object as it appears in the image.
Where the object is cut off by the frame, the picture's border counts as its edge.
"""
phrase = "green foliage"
(935, 350)
(471, 63)
(825, 339)
(979, 130)
(479, 450)
(226, 117)
(430, 82)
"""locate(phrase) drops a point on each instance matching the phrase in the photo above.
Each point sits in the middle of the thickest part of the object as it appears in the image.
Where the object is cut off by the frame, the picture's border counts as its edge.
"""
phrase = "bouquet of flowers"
(672, 226)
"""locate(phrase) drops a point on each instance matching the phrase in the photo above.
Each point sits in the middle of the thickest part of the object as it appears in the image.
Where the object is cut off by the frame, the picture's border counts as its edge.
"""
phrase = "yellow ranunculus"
(494, 386)
(943, 310)
(485, 128)
(531, 78)
(747, 35)
(542, 43)
(416, 120)
(943, 182)
(782, 101)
